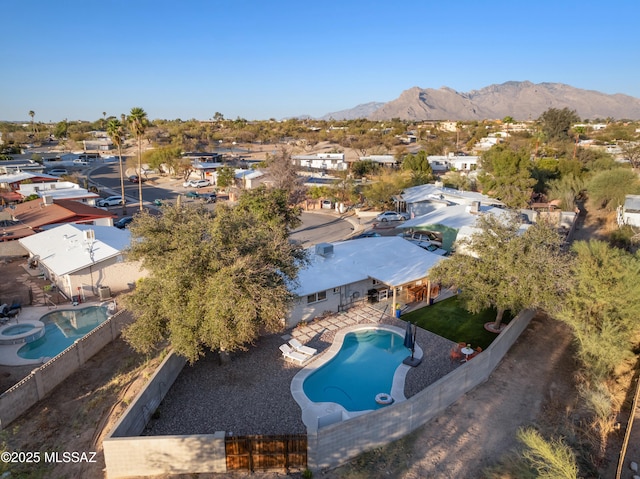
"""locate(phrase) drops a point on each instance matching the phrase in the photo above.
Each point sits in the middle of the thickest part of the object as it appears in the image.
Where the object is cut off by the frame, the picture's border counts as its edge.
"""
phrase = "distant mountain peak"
(521, 100)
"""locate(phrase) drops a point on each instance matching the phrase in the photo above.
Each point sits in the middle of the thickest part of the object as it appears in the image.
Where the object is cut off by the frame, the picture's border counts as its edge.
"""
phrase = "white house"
(422, 199)
(339, 274)
(629, 214)
(81, 259)
(322, 161)
(384, 160)
(60, 190)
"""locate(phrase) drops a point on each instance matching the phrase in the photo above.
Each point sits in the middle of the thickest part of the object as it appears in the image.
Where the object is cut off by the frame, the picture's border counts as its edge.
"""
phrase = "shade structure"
(408, 337)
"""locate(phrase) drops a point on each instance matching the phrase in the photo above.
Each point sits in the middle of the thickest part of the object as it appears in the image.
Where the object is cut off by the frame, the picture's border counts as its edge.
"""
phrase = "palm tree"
(115, 130)
(138, 122)
(32, 114)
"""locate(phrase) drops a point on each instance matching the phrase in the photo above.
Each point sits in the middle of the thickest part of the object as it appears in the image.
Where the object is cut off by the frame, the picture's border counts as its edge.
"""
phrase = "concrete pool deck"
(251, 393)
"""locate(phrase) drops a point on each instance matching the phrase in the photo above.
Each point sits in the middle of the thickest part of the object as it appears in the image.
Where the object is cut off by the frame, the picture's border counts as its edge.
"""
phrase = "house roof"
(389, 259)
(34, 215)
(455, 216)
(63, 249)
(19, 176)
(430, 192)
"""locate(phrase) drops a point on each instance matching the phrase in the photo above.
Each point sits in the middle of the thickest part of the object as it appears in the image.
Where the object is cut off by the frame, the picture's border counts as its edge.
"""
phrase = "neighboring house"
(441, 163)
(422, 199)
(81, 259)
(249, 179)
(629, 213)
(339, 274)
(30, 217)
(12, 181)
(18, 165)
(61, 190)
(447, 222)
(322, 161)
(384, 160)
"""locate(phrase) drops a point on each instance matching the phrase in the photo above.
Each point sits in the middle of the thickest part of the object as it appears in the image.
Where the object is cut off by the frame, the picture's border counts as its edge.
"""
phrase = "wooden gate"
(266, 452)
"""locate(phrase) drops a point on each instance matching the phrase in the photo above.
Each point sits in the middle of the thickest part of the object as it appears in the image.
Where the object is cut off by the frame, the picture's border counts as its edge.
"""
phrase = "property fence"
(333, 444)
(18, 399)
(263, 453)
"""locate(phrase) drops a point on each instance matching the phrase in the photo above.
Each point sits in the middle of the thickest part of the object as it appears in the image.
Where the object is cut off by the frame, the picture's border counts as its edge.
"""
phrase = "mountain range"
(522, 100)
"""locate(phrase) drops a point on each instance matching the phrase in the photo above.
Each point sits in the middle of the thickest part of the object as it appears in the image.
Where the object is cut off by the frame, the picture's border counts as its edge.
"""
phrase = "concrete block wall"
(146, 456)
(16, 400)
(334, 445)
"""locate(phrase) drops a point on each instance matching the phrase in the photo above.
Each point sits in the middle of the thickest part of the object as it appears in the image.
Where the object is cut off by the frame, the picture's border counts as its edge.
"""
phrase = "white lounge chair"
(301, 348)
(289, 353)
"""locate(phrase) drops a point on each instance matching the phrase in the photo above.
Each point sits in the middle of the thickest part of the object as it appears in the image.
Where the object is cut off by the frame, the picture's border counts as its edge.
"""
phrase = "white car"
(110, 201)
(200, 183)
(58, 172)
(392, 216)
(81, 162)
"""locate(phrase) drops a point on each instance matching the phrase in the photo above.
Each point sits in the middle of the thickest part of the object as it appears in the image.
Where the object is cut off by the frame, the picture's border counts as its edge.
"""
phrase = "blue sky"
(260, 59)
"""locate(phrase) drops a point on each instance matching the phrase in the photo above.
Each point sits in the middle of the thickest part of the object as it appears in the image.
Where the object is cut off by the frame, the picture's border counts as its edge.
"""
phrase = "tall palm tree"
(115, 130)
(32, 114)
(138, 123)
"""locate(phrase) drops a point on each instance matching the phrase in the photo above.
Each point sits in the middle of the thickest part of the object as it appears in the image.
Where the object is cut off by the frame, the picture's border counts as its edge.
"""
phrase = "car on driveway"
(79, 162)
(123, 222)
(392, 216)
(136, 179)
(208, 197)
(367, 234)
(58, 172)
(200, 183)
(110, 201)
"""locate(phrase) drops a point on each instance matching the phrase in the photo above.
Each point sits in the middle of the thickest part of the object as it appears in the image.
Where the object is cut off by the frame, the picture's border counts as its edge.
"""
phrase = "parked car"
(326, 204)
(110, 201)
(123, 222)
(367, 234)
(432, 248)
(136, 179)
(58, 172)
(188, 183)
(427, 236)
(200, 183)
(392, 216)
(80, 162)
(208, 197)
(192, 194)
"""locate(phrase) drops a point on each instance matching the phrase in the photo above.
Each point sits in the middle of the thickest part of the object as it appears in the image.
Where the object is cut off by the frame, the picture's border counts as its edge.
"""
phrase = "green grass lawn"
(450, 320)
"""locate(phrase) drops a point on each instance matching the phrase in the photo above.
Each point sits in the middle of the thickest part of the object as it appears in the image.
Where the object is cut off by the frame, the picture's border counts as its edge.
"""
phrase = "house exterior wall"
(336, 297)
(114, 273)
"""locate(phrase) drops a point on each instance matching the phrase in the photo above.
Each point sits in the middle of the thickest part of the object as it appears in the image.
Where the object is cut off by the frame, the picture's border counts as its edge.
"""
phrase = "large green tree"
(115, 130)
(216, 280)
(498, 267)
(507, 175)
(138, 123)
(556, 123)
(607, 188)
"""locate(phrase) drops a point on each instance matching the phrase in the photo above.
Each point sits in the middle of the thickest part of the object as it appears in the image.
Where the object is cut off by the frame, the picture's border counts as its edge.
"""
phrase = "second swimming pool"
(62, 328)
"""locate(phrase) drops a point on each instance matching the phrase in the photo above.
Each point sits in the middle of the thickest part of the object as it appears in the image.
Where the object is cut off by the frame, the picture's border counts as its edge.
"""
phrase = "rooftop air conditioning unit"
(47, 200)
(324, 249)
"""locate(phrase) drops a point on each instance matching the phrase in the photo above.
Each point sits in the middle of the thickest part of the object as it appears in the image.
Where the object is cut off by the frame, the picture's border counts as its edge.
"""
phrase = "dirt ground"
(534, 385)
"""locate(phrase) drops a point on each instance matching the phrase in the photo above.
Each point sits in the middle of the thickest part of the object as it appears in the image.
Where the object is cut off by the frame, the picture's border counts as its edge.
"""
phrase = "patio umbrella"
(408, 337)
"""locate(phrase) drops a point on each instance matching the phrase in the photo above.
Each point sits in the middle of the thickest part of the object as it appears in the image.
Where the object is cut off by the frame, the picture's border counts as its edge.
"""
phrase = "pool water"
(363, 368)
(62, 328)
(18, 329)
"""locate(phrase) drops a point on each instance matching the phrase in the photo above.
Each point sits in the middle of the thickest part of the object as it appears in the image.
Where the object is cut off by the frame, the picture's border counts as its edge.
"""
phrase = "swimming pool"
(363, 362)
(363, 368)
(62, 328)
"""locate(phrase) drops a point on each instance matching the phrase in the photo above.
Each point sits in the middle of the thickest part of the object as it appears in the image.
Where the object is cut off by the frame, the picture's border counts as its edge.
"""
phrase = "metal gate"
(251, 453)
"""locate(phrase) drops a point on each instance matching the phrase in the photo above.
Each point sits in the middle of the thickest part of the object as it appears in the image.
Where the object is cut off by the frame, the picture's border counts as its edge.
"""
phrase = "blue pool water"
(62, 328)
(363, 368)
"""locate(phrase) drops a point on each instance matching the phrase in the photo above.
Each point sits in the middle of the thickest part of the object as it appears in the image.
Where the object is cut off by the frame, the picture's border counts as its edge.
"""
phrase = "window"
(316, 297)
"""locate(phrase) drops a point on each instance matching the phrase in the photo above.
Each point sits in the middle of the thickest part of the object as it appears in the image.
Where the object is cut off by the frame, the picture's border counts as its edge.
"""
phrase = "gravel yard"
(251, 395)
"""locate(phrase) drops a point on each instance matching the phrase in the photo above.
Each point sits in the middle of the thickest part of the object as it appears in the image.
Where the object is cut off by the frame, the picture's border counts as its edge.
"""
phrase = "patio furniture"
(455, 354)
(289, 353)
(301, 348)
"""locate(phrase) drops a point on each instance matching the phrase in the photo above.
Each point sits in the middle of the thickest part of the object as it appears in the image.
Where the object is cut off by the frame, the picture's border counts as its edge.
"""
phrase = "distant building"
(322, 161)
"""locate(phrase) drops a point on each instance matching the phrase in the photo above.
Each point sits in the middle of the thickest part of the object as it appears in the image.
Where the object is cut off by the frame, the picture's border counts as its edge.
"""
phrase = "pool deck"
(251, 394)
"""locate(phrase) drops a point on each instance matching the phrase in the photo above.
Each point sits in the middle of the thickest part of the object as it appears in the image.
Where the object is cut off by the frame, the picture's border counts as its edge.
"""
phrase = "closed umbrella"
(408, 337)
